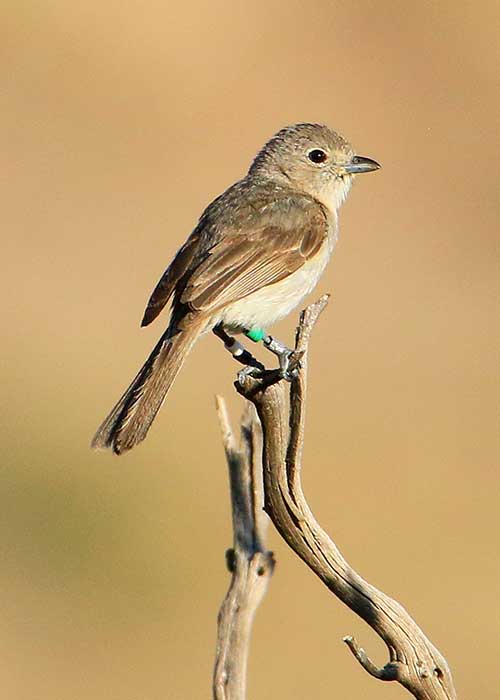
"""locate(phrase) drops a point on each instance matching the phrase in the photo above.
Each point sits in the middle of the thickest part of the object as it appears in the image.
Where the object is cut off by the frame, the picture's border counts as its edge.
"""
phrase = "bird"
(256, 252)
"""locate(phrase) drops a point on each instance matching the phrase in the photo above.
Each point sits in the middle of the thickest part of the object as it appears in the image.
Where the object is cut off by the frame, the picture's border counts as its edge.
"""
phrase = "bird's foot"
(290, 365)
(289, 360)
(249, 371)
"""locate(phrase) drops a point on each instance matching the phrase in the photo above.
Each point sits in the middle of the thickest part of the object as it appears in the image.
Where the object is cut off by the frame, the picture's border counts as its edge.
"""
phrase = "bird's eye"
(317, 155)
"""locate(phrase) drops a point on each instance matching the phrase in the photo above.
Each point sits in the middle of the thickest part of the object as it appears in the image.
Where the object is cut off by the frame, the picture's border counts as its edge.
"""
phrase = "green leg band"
(256, 334)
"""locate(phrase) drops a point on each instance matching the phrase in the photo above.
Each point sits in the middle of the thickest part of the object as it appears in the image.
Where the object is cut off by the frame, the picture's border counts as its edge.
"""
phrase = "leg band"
(235, 348)
(256, 334)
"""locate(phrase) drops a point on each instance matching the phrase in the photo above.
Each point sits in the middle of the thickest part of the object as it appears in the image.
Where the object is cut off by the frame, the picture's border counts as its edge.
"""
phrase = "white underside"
(272, 303)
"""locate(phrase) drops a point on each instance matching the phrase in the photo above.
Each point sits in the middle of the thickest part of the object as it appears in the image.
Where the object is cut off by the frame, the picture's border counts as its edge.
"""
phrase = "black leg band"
(240, 353)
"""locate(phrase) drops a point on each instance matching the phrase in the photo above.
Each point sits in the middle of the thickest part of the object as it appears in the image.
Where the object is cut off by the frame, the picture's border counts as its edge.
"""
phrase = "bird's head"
(313, 159)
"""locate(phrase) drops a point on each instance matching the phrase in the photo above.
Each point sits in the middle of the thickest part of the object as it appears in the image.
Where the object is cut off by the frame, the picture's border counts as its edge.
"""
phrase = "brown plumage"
(129, 420)
(255, 253)
(255, 234)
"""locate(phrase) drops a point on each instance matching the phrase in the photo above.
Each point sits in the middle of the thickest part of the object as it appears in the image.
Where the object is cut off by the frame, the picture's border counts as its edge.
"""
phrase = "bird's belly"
(272, 303)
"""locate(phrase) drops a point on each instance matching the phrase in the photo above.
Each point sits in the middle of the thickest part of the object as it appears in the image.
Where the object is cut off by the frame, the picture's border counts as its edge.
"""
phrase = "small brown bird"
(257, 251)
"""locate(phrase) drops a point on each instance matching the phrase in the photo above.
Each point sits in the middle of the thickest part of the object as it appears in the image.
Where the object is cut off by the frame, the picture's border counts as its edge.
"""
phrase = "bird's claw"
(248, 371)
(290, 365)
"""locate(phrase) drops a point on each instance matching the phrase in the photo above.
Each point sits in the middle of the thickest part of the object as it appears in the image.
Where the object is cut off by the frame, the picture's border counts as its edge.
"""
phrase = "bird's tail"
(129, 421)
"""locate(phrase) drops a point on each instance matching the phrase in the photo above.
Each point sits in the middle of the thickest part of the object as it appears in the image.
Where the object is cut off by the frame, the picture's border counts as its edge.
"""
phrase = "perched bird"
(256, 252)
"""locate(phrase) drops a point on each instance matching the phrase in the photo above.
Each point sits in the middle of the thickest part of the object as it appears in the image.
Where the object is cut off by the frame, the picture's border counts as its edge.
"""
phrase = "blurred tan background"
(120, 122)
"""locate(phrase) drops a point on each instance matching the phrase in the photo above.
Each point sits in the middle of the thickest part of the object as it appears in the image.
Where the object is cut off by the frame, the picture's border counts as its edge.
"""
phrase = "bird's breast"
(274, 302)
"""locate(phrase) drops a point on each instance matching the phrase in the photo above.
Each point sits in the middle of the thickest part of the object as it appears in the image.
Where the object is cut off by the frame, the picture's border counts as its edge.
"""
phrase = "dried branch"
(248, 561)
(413, 660)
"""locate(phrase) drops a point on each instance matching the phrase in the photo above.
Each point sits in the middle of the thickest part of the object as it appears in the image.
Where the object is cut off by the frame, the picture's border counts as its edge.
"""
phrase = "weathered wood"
(413, 660)
(250, 564)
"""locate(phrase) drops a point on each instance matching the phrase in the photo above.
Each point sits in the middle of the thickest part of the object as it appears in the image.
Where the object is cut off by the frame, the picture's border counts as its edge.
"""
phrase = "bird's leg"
(289, 363)
(240, 353)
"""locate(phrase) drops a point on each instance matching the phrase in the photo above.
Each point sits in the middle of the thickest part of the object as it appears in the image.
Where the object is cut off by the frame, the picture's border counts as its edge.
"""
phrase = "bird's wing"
(246, 260)
(168, 281)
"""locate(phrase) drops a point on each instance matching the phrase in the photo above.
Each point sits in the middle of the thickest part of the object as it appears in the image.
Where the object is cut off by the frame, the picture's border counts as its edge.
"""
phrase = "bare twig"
(248, 561)
(413, 660)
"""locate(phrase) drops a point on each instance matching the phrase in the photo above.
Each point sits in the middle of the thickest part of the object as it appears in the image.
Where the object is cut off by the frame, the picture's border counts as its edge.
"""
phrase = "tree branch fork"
(266, 467)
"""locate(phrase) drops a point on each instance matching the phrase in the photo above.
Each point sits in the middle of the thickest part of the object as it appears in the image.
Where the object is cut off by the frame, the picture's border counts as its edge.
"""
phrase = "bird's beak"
(360, 164)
